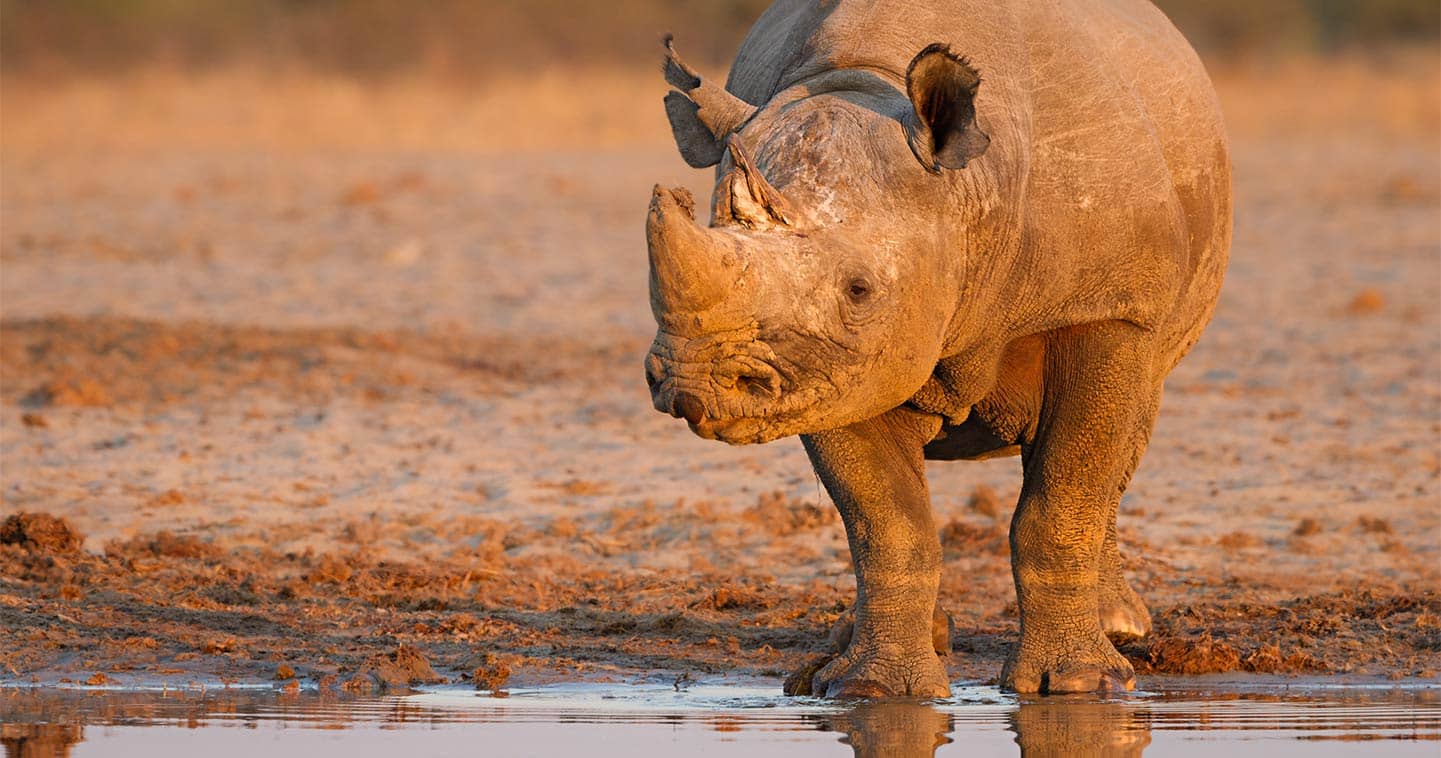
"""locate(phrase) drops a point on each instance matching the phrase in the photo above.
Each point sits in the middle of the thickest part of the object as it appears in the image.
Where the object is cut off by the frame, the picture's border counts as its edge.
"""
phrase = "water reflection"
(901, 729)
(1057, 727)
(1041, 728)
(40, 740)
(630, 720)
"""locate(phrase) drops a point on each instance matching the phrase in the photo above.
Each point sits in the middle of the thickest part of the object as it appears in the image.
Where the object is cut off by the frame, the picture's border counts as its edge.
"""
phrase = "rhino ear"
(702, 115)
(697, 145)
(942, 128)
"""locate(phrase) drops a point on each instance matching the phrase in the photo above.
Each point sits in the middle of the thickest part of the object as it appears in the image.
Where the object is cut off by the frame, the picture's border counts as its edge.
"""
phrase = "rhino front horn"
(688, 268)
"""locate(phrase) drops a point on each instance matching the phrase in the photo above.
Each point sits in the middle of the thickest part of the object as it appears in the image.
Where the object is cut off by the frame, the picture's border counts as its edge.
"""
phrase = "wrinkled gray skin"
(905, 263)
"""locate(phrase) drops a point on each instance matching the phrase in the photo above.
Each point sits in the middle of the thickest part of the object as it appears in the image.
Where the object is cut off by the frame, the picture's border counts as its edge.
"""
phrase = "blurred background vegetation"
(471, 38)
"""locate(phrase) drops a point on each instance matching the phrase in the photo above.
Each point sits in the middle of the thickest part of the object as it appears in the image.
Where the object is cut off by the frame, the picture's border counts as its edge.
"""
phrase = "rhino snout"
(700, 392)
(688, 407)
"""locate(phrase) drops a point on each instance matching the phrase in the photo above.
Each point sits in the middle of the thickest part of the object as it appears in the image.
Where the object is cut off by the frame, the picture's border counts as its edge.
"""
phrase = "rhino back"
(1106, 139)
(1128, 195)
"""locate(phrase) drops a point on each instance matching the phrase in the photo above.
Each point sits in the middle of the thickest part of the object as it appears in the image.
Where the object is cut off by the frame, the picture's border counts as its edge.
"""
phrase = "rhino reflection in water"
(897, 728)
(948, 230)
(910, 729)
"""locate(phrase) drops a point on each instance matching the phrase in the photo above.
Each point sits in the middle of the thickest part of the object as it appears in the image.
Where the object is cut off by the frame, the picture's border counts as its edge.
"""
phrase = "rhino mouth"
(736, 431)
(733, 391)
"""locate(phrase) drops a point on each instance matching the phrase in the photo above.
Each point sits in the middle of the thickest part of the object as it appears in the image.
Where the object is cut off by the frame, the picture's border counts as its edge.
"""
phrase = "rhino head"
(816, 295)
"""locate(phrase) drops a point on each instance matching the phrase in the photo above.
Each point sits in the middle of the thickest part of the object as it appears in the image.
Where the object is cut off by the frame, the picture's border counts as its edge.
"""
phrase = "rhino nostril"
(688, 407)
(652, 371)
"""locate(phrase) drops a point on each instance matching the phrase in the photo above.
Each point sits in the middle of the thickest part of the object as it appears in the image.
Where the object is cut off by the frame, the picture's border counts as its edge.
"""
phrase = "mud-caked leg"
(1098, 387)
(1124, 615)
(874, 472)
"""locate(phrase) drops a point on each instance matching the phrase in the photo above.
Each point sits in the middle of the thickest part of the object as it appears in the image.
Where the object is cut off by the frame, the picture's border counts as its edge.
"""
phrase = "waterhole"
(659, 719)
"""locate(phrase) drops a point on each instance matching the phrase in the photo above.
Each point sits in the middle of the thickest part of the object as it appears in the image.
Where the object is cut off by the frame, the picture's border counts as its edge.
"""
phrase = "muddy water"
(659, 720)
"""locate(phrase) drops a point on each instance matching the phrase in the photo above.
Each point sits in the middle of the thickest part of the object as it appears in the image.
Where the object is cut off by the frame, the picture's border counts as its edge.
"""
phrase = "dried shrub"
(403, 667)
(1268, 659)
(983, 500)
(735, 597)
(1238, 540)
(1307, 527)
(962, 539)
(165, 544)
(70, 393)
(783, 516)
(1373, 525)
(40, 533)
(491, 674)
(1203, 655)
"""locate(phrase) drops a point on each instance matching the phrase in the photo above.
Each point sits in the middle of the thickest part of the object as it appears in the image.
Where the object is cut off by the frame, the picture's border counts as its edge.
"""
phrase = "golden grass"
(243, 109)
(590, 107)
(1395, 95)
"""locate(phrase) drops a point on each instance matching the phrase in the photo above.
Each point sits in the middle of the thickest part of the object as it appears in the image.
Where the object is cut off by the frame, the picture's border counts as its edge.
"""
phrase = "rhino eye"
(858, 289)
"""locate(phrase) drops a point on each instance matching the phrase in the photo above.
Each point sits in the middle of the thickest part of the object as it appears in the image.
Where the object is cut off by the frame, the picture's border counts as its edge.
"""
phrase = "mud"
(306, 403)
(402, 668)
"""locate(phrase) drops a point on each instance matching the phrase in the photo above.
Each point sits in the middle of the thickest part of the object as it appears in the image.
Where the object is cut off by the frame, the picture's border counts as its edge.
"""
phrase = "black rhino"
(948, 230)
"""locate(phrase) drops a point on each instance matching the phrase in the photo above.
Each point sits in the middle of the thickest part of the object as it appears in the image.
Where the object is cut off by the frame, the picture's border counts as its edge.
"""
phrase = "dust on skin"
(362, 453)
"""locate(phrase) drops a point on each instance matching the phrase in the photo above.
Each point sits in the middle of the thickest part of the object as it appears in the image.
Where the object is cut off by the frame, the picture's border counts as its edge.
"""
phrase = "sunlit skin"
(949, 231)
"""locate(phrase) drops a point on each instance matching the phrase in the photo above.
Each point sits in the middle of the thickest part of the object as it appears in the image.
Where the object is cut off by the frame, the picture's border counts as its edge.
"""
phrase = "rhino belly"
(971, 440)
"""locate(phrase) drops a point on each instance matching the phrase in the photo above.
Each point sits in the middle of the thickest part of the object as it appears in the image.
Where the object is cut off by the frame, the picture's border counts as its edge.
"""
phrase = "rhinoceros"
(948, 230)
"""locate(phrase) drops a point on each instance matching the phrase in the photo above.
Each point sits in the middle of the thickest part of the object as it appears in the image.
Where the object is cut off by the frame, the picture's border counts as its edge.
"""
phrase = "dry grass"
(1391, 95)
(244, 109)
(589, 107)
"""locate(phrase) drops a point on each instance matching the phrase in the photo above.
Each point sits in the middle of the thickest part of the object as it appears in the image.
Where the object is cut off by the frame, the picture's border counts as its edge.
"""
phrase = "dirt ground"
(343, 384)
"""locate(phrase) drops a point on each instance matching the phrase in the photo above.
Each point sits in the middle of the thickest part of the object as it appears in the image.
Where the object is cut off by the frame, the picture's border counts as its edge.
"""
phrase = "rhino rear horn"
(748, 199)
(701, 114)
(942, 129)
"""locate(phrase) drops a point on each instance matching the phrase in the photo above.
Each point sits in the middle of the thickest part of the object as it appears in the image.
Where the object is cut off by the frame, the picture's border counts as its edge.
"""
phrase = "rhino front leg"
(1095, 407)
(874, 472)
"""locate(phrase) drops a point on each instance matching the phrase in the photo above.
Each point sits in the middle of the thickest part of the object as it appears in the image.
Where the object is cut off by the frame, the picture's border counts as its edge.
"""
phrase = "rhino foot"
(1091, 666)
(942, 629)
(1123, 615)
(882, 671)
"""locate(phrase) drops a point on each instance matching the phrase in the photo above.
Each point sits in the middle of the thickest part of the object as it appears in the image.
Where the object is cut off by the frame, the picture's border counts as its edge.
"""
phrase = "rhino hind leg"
(1095, 418)
(875, 473)
(1123, 614)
